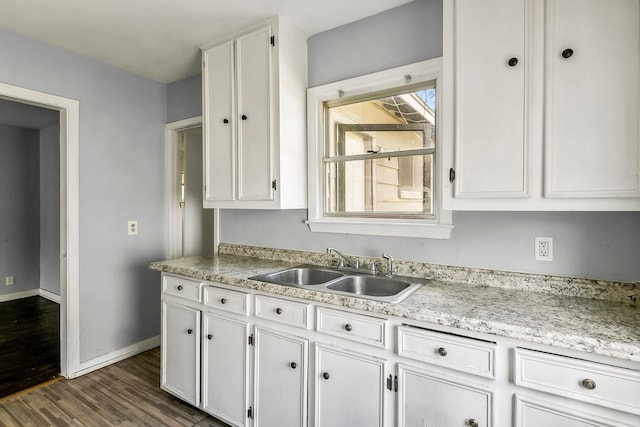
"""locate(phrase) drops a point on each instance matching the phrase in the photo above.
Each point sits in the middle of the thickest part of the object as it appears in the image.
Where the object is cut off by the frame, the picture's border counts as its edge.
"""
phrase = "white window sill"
(397, 228)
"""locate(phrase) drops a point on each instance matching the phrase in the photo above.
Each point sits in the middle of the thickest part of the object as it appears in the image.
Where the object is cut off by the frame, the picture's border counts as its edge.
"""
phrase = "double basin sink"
(380, 288)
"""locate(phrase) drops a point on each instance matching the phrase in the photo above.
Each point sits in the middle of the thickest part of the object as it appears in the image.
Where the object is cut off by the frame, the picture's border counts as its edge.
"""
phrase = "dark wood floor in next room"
(29, 343)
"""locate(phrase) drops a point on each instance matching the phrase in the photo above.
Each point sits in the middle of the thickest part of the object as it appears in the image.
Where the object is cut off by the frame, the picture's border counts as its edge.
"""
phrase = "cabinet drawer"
(226, 299)
(282, 311)
(592, 382)
(459, 353)
(184, 288)
(355, 327)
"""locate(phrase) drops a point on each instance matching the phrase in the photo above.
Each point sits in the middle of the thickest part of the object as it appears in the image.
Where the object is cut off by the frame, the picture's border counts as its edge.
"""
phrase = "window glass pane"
(395, 186)
(392, 133)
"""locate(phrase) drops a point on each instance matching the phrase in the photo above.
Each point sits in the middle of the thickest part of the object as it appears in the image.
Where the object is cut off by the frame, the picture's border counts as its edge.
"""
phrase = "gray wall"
(122, 119)
(50, 209)
(19, 208)
(184, 99)
(602, 245)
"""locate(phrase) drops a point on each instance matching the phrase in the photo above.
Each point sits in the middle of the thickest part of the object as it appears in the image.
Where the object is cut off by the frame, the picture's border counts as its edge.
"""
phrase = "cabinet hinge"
(452, 175)
(274, 185)
(250, 412)
(250, 339)
(389, 382)
(395, 383)
(273, 40)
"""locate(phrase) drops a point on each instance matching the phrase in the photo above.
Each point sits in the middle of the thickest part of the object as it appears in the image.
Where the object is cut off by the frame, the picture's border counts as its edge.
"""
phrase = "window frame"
(439, 227)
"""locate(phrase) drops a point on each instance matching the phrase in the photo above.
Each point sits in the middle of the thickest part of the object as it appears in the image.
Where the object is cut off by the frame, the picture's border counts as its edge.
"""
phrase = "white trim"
(49, 295)
(174, 234)
(69, 217)
(19, 295)
(118, 355)
(439, 228)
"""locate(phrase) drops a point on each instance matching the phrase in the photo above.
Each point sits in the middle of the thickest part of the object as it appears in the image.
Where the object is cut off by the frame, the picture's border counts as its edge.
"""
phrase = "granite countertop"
(599, 326)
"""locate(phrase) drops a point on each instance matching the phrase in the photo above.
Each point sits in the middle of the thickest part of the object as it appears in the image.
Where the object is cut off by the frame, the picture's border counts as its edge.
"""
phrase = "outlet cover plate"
(543, 248)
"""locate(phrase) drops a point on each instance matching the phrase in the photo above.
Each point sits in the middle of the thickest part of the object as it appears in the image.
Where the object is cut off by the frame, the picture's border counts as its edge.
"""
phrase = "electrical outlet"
(132, 228)
(10, 280)
(544, 248)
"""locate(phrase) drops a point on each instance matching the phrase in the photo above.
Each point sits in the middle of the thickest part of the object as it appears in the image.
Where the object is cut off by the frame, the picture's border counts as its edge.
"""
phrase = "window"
(374, 154)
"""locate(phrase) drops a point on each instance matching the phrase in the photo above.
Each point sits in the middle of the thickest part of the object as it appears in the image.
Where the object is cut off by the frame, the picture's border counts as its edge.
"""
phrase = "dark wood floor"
(29, 343)
(123, 394)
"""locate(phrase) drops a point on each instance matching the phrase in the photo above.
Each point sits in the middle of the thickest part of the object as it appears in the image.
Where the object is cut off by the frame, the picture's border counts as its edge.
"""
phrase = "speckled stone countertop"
(579, 314)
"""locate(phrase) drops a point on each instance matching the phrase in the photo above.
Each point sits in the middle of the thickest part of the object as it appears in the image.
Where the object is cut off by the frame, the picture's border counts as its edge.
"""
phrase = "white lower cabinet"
(180, 351)
(349, 388)
(426, 398)
(224, 368)
(280, 373)
(262, 361)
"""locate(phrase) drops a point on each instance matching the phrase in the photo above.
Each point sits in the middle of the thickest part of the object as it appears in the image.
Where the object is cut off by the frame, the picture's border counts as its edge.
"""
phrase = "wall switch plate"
(544, 248)
(132, 228)
(10, 280)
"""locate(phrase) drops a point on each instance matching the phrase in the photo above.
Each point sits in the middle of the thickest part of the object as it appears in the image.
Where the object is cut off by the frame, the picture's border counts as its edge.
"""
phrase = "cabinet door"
(224, 370)
(491, 142)
(180, 360)
(253, 56)
(592, 134)
(349, 388)
(426, 399)
(280, 380)
(219, 124)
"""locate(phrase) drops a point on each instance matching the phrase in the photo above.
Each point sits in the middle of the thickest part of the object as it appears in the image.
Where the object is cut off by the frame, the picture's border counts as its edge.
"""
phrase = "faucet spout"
(389, 259)
(343, 259)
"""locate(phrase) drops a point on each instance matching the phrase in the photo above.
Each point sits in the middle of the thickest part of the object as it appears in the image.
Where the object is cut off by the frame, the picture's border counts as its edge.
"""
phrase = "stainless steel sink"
(369, 285)
(301, 276)
(380, 288)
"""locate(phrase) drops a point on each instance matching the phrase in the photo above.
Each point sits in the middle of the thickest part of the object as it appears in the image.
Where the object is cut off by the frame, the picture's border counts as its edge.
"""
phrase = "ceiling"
(160, 39)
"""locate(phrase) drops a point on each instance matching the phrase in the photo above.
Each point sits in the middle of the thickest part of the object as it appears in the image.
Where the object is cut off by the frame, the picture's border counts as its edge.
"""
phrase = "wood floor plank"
(125, 394)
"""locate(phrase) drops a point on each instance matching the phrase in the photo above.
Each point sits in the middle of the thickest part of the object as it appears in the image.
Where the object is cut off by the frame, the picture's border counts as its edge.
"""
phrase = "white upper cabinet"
(542, 105)
(254, 113)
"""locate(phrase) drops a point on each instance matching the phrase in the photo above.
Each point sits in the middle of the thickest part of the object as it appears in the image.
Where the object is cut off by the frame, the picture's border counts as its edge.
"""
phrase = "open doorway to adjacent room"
(192, 229)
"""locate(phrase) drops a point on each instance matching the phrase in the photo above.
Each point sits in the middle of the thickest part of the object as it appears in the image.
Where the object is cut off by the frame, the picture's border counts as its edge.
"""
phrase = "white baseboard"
(49, 295)
(19, 295)
(116, 356)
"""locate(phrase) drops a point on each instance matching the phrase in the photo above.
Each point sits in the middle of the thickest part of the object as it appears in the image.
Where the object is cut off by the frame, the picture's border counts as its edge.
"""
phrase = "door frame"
(69, 110)
(172, 132)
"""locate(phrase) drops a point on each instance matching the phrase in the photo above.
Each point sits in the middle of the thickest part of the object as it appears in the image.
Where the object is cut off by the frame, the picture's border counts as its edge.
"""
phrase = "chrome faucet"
(343, 259)
(389, 259)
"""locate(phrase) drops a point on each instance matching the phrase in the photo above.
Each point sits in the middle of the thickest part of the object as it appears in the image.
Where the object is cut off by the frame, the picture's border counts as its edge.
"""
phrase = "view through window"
(379, 154)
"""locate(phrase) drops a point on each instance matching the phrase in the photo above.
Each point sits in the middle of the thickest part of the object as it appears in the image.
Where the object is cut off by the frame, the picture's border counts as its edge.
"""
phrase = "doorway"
(193, 230)
(68, 243)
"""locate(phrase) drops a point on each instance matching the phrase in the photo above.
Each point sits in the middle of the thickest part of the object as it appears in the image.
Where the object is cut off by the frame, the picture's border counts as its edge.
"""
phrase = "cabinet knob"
(189, 331)
(442, 351)
(325, 375)
(567, 53)
(225, 121)
(244, 117)
(223, 300)
(179, 287)
(278, 310)
(512, 62)
(209, 337)
(473, 422)
(589, 384)
(293, 365)
(348, 327)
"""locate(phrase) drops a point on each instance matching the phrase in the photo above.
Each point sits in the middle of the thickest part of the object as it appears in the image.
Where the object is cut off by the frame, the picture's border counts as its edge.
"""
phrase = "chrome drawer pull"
(589, 384)
(348, 327)
(442, 351)
(473, 422)
(278, 310)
